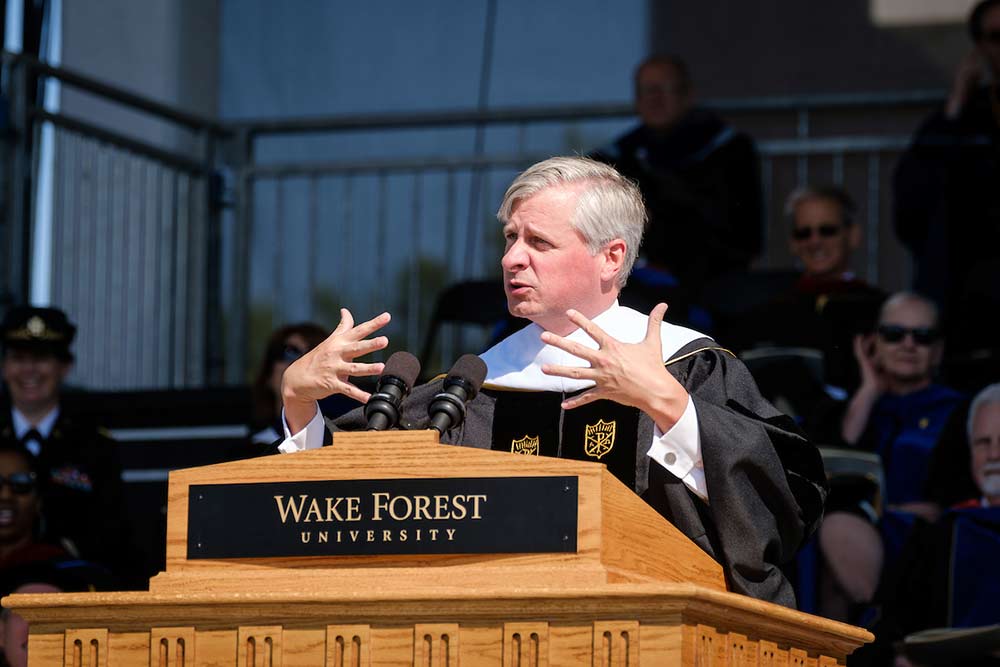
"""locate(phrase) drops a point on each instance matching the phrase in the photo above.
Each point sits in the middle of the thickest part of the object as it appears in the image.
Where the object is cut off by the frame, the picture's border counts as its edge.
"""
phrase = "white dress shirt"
(44, 427)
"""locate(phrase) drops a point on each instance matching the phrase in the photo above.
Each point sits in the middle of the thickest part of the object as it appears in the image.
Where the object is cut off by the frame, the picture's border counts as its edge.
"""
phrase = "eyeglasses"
(291, 353)
(892, 333)
(824, 231)
(20, 483)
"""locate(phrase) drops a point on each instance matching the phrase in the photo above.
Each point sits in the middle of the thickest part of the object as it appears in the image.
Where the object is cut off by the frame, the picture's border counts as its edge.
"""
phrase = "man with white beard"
(984, 442)
(947, 574)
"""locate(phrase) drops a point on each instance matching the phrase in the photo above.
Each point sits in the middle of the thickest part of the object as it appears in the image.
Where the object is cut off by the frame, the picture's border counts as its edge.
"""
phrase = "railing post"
(7, 263)
(19, 208)
(873, 223)
(802, 133)
(212, 201)
(238, 331)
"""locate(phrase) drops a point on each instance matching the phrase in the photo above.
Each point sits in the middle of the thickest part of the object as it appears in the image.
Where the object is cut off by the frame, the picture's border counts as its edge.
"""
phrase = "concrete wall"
(164, 49)
(130, 252)
(783, 47)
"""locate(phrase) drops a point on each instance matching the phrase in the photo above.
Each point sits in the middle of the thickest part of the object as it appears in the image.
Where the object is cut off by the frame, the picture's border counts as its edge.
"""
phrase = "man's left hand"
(627, 373)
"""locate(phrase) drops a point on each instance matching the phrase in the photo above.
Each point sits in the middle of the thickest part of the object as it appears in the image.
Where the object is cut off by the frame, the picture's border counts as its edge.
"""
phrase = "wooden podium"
(626, 588)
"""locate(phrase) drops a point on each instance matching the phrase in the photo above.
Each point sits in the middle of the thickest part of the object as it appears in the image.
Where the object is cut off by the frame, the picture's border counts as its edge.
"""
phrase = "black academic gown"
(765, 481)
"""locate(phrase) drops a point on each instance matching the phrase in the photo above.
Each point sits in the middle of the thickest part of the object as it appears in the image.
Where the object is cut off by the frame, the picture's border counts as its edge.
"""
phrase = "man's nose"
(514, 257)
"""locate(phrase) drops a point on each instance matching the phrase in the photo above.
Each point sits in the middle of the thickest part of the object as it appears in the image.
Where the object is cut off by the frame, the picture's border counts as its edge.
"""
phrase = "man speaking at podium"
(671, 414)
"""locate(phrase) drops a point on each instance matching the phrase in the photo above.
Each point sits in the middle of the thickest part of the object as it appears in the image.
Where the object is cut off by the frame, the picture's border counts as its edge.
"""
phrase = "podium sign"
(383, 517)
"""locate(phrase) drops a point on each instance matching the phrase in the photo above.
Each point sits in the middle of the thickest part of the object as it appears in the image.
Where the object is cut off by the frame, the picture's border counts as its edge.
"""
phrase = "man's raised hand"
(627, 373)
(325, 369)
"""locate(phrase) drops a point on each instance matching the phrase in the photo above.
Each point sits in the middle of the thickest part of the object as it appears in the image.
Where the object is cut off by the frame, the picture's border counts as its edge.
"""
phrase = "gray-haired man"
(693, 436)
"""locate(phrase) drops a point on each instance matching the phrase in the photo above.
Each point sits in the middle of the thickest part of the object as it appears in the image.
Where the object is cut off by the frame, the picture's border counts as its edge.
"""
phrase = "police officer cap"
(40, 329)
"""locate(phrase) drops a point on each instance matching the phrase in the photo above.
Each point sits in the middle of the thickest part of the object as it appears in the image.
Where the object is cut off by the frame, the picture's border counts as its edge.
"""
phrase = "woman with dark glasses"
(20, 509)
(898, 411)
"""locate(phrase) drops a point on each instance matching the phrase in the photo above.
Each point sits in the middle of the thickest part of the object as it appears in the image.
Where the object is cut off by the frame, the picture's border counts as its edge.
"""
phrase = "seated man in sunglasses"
(834, 304)
(823, 234)
(898, 411)
(823, 309)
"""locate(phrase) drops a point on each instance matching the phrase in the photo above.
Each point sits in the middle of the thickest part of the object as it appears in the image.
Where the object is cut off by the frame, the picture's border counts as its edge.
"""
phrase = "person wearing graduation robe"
(672, 414)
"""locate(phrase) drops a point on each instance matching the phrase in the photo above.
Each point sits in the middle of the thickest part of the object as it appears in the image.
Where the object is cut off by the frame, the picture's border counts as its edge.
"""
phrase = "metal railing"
(429, 217)
(135, 247)
(175, 285)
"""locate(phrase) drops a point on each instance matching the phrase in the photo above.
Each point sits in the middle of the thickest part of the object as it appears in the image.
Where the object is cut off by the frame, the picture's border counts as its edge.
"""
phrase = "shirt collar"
(44, 426)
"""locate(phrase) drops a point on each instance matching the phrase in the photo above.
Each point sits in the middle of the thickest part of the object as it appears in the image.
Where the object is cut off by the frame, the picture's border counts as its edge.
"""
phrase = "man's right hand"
(872, 378)
(859, 407)
(325, 369)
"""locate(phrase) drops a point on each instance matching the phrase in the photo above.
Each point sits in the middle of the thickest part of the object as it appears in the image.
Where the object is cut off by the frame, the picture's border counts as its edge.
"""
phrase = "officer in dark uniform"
(81, 473)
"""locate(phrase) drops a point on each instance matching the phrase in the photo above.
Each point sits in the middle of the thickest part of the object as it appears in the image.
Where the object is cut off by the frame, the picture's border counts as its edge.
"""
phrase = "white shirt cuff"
(679, 451)
(311, 437)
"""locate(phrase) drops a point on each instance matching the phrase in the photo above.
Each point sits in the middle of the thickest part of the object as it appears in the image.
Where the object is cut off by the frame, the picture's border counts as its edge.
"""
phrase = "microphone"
(447, 409)
(382, 409)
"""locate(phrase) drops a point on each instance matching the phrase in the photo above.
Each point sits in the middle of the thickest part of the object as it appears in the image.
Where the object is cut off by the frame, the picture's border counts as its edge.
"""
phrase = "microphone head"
(471, 370)
(403, 366)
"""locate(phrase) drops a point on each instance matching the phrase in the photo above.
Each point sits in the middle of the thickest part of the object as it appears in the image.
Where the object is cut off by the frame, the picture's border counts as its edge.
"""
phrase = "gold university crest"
(599, 438)
(527, 446)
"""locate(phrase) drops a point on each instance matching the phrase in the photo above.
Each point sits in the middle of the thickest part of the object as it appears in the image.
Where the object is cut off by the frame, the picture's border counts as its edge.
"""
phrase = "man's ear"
(614, 259)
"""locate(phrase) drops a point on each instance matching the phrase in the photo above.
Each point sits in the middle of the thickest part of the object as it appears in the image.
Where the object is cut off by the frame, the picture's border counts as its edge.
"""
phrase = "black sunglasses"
(20, 483)
(993, 36)
(892, 333)
(825, 231)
